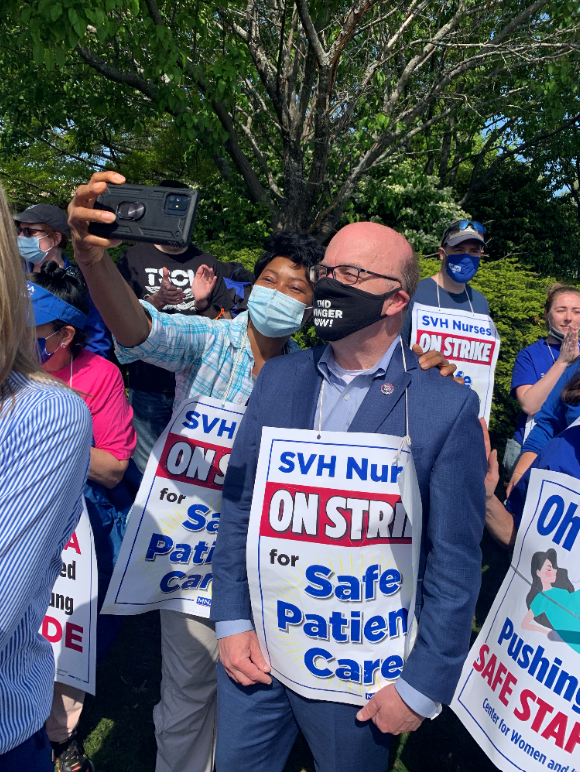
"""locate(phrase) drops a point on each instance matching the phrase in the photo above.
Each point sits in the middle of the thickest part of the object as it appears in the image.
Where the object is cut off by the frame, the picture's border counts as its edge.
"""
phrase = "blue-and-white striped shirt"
(45, 440)
(209, 357)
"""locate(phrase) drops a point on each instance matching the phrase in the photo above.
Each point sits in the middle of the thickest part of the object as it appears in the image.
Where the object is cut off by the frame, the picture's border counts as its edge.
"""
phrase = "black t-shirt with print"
(142, 268)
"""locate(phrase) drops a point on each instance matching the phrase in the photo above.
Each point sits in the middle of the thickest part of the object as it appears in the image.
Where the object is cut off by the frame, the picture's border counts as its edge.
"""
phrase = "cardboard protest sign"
(519, 692)
(70, 623)
(332, 543)
(470, 341)
(165, 558)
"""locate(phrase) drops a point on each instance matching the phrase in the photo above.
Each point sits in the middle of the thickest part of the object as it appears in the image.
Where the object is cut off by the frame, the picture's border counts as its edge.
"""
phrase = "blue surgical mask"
(44, 354)
(274, 314)
(29, 249)
(462, 268)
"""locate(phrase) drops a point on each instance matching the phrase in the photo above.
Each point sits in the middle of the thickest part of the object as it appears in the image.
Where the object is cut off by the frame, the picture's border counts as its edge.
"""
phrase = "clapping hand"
(202, 287)
(167, 294)
(569, 350)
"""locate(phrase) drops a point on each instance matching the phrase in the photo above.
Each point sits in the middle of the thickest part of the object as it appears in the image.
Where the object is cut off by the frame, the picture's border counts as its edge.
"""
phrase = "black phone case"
(153, 225)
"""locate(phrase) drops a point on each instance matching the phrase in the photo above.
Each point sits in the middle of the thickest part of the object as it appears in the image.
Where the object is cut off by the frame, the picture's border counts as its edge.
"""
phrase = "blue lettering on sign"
(305, 465)
(171, 582)
(350, 670)
(229, 430)
(207, 426)
(288, 464)
(552, 516)
(198, 520)
(330, 466)
(190, 421)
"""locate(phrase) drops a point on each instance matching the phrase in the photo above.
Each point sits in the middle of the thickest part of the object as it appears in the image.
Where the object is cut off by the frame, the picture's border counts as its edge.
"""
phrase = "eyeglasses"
(345, 274)
(28, 232)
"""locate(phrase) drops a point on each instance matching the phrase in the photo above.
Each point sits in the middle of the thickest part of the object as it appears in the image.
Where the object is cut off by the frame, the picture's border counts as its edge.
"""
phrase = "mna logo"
(204, 601)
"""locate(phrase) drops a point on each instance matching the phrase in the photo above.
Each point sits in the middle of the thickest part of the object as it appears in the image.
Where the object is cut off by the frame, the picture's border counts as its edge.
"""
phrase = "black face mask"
(341, 309)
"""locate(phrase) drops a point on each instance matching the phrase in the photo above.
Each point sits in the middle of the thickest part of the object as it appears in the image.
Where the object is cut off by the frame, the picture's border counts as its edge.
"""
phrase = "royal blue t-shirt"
(562, 454)
(427, 295)
(555, 415)
(531, 364)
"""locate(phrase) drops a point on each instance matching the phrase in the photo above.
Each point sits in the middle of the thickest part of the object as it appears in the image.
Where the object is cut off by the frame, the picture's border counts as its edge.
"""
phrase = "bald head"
(377, 248)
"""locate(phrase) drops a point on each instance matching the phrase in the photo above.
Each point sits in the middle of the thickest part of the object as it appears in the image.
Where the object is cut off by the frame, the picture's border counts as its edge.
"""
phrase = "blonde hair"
(17, 336)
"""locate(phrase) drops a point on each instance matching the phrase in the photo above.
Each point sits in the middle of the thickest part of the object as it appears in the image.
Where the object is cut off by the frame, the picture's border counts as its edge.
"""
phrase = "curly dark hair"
(301, 248)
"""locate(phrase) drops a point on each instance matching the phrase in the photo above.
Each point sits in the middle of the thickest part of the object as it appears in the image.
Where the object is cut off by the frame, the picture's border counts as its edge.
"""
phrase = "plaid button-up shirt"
(209, 358)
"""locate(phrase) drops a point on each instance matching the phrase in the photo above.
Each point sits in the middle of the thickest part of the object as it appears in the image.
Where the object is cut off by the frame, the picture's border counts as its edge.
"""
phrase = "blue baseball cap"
(47, 308)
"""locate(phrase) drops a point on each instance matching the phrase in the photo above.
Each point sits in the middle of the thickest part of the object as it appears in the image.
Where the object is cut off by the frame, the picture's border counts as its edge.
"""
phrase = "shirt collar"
(327, 364)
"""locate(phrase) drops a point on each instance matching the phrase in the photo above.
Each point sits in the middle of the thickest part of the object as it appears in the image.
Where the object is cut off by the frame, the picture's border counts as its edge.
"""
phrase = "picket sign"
(519, 692)
(332, 554)
(466, 339)
(70, 624)
(165, 558)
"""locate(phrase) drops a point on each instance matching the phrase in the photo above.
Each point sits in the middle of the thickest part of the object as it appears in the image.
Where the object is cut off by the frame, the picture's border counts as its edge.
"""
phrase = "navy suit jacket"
(448, 449)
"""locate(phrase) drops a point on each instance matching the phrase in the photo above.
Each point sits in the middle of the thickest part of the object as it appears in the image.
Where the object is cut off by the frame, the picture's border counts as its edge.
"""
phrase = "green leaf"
(49, 59)
(38, 52)
(56, 11)
(59, 57)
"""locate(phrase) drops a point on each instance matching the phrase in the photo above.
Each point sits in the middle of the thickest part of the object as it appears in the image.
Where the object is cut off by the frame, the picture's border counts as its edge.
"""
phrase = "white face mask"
(274, 314)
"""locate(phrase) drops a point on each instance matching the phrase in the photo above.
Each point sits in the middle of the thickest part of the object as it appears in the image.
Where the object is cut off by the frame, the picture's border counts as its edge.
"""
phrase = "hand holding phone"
(90, 248)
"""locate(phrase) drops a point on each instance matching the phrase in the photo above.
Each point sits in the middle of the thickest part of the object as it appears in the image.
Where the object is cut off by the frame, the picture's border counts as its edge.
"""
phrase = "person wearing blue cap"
(460, 252)
(45, 438)
(43, 233)
(60, 303)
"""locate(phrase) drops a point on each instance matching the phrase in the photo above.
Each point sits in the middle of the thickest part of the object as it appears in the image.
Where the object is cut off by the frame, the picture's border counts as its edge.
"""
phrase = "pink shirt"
(101, 386)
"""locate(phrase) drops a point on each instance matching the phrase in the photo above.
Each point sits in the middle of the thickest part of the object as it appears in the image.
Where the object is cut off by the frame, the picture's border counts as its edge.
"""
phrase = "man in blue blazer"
(362, 289)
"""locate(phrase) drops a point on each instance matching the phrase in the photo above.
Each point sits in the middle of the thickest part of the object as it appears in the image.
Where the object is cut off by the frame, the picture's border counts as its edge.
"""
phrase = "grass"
(118, 724)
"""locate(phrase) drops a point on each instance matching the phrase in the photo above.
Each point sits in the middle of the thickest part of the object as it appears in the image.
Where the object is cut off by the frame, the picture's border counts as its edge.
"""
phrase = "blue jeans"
(257, 727)
(151, 413)
(33, 755)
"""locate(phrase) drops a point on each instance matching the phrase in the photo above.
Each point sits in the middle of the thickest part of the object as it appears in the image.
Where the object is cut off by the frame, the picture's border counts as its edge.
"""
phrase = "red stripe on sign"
(459, 348)
(194, 462)
(326, 516)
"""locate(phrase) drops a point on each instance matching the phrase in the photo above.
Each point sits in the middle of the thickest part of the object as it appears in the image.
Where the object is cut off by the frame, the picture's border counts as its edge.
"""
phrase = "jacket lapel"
(307, 383)
(377, 405)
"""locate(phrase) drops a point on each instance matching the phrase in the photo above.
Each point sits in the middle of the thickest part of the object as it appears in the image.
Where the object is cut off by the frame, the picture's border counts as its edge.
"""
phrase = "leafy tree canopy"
(297, 102)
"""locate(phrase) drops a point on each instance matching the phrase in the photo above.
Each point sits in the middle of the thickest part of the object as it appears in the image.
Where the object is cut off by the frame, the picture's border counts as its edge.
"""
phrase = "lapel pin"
(387, 388)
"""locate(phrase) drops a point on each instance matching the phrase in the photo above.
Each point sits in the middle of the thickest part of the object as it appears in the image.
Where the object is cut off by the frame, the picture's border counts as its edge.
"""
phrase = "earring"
(63, 345)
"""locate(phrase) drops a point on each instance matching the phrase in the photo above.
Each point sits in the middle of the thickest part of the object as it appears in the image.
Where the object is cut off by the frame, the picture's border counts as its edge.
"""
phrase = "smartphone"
(147, 213)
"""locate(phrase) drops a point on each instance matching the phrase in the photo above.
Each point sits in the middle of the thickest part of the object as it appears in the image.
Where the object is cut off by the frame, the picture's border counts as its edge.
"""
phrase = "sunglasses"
(461, 225)
(29, 232)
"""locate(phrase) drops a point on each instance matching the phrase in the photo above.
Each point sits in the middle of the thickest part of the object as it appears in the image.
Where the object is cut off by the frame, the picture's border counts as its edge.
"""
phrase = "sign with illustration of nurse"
(332, 558)
(519, 693)
(166, 555)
